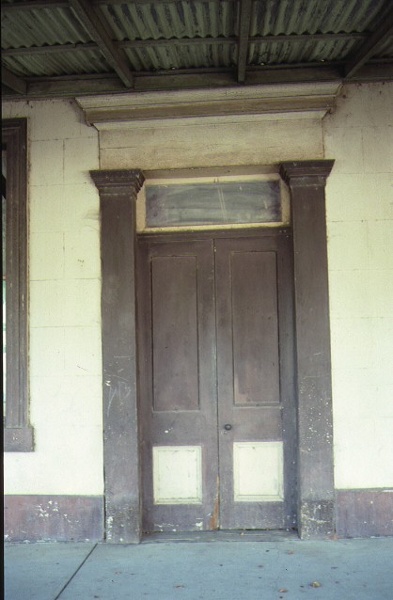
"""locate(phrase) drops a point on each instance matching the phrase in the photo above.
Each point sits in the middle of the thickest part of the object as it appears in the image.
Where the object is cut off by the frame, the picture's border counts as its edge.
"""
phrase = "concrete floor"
(216, 568)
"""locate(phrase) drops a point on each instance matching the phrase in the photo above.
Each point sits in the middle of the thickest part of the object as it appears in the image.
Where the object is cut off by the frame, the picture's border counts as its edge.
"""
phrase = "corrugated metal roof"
(176, 57)
(299, 52)
(385, 50)
(313, 16)
(61, 63)
(181, 35)
(171, 20)
(41, 27)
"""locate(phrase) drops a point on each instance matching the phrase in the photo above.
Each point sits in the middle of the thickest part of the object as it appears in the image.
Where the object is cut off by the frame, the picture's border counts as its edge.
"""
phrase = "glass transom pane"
(176, 205)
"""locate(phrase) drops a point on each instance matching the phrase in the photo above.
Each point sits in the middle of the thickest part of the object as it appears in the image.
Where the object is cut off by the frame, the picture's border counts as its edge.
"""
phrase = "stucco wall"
(254, 141)
(65, 354)
(65, 321)
(359, 135)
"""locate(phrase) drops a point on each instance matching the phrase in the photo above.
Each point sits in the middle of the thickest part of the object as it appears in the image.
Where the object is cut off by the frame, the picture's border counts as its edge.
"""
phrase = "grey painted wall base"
(359, 513)
(364, 513)
(53, 518)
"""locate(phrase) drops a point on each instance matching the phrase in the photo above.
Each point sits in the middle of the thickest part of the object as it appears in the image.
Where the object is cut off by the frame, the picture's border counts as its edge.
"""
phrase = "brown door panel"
(178, 372)
(254, 308)
(216, 369)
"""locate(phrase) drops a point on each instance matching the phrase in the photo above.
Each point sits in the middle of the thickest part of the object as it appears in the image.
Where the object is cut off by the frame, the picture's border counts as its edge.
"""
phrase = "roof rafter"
(151, 43)
(260, 39)
(244, 34)
(93, 24)
(33, 5)
(38, 4)
(370, 46)
(56, 48)
(66, 86)
(15, 83)
(149, 1)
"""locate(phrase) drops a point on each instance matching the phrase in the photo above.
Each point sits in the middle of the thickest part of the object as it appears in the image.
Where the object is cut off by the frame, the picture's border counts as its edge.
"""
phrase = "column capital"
(306, 172)
(118, 181)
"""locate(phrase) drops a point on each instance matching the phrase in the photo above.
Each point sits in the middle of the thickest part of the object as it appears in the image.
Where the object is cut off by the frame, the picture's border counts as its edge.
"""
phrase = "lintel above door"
(271, 102)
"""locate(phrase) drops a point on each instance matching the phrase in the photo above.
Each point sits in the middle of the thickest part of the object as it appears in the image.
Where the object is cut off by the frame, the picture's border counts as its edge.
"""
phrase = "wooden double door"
(216, 381)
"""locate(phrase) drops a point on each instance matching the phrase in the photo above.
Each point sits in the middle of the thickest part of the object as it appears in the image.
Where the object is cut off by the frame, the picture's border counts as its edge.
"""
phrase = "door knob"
(228, 427)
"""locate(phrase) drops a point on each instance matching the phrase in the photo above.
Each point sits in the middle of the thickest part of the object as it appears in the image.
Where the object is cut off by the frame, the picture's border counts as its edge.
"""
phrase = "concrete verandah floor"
(233, 568)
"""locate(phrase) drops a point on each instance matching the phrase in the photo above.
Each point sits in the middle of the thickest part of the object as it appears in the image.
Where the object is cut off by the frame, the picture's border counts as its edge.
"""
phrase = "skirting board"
(359, 513)
(364, 513)
(53, 518)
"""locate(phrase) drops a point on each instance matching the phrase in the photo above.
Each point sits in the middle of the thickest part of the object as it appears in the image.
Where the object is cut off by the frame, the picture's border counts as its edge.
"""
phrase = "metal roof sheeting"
(181, 57)
(299, 52)
(41, 27)
(275, 17)
(385, 50)
(160, 20)
(59, 63)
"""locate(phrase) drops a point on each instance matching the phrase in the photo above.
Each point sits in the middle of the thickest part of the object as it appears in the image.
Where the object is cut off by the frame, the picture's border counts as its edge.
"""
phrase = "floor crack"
(75, 573)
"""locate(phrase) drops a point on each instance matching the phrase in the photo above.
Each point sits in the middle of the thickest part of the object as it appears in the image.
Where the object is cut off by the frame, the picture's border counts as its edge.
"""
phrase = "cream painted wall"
(359, 135)
(256, 141)
(65, 320)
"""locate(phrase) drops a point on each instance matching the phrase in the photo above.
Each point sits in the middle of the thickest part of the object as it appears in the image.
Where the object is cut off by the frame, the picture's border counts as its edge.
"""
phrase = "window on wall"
(18, 435)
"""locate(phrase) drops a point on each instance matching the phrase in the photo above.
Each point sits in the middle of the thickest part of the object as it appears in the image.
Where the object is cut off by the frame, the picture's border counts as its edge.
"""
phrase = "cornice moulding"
(272, 102)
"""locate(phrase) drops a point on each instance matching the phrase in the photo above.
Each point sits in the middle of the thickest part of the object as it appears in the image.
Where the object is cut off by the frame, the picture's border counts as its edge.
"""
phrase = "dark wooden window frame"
(18, 434)
(122, 480)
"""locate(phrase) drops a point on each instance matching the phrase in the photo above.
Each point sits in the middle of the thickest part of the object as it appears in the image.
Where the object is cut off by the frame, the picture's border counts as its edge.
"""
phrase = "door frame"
(118, 191)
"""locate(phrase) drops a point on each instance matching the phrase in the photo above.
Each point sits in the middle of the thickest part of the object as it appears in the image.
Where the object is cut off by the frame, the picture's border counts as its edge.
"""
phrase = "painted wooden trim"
(53, 518)
(272, 101)
(18, 435)
(306, 181)
(19, 439)
(118, 191)
(364, 513)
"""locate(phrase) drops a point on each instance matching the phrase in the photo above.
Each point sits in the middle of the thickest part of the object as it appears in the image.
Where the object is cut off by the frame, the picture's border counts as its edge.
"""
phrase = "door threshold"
(255, 535)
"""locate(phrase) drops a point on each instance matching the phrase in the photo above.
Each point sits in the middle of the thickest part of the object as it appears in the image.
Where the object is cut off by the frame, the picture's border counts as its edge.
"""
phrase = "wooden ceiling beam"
(15, 83)
(7, 7)
(55, 49)
(368, 49)
(69, 86)
(39, 4)
(150, 43)
(266, 39)
(97, 31)
(147, 1)
(244, 34)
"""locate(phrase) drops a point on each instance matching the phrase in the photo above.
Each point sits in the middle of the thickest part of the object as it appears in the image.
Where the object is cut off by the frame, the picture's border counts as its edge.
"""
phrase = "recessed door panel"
(254, 328)
(258, 472)
(175, 333)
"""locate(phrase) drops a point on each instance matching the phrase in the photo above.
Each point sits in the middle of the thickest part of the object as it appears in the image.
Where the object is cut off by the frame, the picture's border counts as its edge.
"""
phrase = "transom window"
(211, 203)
